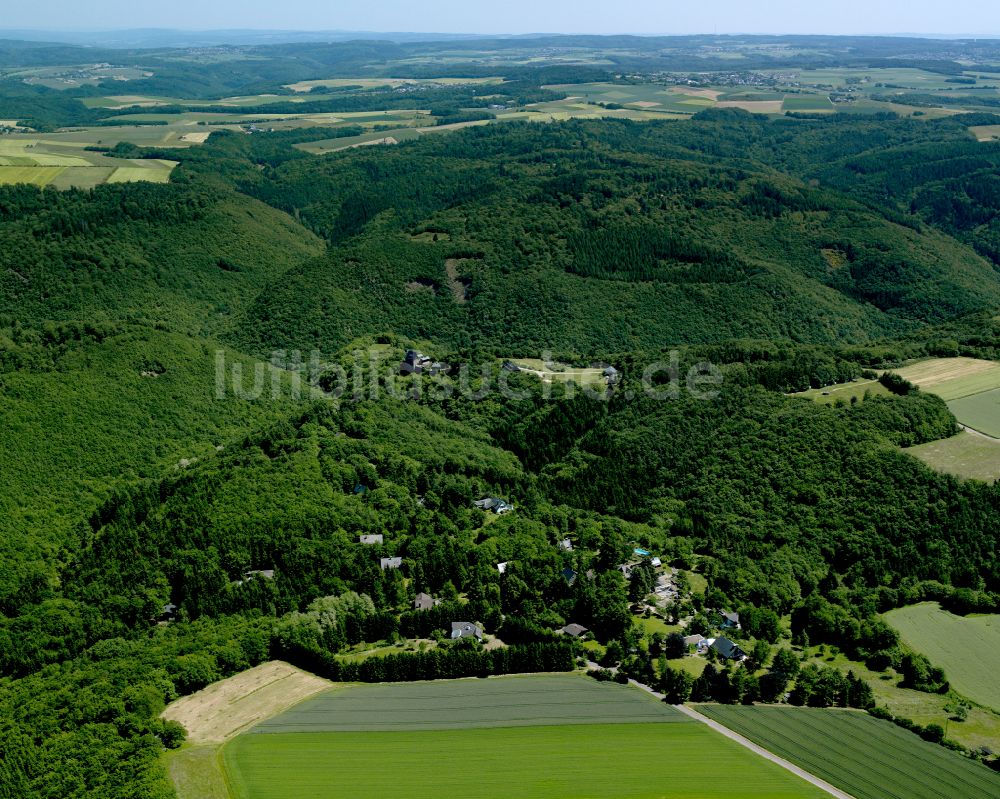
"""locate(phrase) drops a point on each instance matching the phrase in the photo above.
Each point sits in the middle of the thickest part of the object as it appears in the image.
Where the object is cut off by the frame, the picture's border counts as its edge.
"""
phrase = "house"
(502, 567)
(728, 649)
(494, 504)
(569, 576)
(465, 629)
(656, 563)
(377, 538)
(730, 621)
(566, 545)
(425, 602)
(414, 363)
(693, 640)
(168, 612)
(510, 366)
(360, 488)
(390, 563)
(574, 630)
(611, 375)
(265, 574)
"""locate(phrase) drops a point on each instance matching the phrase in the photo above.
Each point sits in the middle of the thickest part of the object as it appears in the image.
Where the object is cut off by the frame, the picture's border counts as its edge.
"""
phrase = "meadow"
(966, 647)
(970, 386)
(539, 736)
(867, 757)
(967, 455)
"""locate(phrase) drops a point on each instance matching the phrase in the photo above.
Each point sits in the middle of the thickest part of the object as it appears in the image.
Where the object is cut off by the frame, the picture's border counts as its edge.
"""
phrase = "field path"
(823, 785)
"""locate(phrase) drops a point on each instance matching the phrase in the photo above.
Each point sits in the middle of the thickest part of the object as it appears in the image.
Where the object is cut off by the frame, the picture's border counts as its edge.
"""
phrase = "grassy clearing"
(561, 373)
(982, 728)
(967, 648)
(131, 174)
(986, 132)
(845, 392)
(197, 773)
(967, 455)
(225, 708)
(867, 757)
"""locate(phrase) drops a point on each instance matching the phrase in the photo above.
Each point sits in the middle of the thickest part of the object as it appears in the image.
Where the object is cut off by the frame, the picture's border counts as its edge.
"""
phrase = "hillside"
(593, 237)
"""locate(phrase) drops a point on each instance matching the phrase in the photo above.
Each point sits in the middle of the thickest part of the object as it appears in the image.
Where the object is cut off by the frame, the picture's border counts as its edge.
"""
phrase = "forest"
(161, 531)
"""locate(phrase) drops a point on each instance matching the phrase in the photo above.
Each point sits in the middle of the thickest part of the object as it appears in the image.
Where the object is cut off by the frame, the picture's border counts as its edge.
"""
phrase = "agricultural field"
(981, 728)
(968, 455)
(966, 647)
(867, 757)
(970, 386)
(67, 164)
(369, 740)
(986, 132)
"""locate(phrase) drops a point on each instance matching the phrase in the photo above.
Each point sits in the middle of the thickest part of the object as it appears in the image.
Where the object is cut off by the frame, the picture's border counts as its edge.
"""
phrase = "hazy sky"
(517, 16)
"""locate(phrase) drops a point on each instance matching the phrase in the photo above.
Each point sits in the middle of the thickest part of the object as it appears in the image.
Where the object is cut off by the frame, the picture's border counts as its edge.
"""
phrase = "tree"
(674, 646)
(676, 685)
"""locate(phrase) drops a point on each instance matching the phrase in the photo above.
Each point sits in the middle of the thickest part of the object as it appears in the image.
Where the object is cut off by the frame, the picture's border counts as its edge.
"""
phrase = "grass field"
(979, 411)
(867, 757)
(967, 455)
(967, 648)
(526, 736)
(953, 378)
(845, 392)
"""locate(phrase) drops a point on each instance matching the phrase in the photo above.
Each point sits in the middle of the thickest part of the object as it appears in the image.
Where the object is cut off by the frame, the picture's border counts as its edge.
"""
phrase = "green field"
(980, 412)
(867, 757)
(65, 163)
(967, 455)
(538, 736)
(966, 647)
(845, 391)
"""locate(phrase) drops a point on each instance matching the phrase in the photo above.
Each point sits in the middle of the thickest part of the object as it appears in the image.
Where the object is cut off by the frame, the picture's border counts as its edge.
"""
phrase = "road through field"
(823, 785)
(780, 761)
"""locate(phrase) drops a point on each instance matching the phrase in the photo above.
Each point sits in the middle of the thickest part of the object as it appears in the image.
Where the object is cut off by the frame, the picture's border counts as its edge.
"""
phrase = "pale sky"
(516, 16)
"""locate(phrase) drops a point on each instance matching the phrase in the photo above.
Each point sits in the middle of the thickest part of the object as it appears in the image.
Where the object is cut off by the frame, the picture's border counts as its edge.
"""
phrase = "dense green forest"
(790, 253)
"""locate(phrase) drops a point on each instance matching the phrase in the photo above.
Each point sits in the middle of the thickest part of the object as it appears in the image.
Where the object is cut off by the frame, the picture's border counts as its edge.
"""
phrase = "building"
(168, 612)
(656, 563)
(693, 640)
(265, 574)
(611, 375)
(494, 504)
(569, 575)
(425, 602)
(502, 567)
(377, 538)
(566, 545)
(730, 621)
(390, 563)
(574, 630)
(415, 362)
(465, 629)
(728, 649)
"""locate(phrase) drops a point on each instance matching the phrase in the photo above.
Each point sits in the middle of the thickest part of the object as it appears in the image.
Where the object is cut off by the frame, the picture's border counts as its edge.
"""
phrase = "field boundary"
(823, 785)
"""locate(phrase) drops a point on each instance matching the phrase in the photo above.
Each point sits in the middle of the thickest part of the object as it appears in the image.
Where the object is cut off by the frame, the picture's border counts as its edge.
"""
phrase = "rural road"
(759, 750)
(821, 784)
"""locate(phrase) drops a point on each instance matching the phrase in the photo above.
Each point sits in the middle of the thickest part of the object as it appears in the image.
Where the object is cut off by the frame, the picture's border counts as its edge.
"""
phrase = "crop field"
(807, 102)
(986, 132)
(525, 736)
(67, 164)
(966, 647)
(953, 378)
(867, 757)
(979, 411)
(970, 386)
(968, 455)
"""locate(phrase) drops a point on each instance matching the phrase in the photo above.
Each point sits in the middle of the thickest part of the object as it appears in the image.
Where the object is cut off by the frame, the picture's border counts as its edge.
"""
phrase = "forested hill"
(589, 237)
